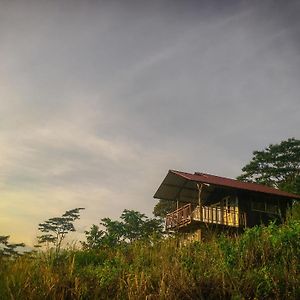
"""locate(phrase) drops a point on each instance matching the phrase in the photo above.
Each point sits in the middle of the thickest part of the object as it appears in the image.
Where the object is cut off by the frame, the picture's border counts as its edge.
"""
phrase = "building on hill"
(206, 201)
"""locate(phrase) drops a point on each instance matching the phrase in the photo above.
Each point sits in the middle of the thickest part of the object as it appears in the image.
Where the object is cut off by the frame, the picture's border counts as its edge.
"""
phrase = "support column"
(200, 200)
(222, 211)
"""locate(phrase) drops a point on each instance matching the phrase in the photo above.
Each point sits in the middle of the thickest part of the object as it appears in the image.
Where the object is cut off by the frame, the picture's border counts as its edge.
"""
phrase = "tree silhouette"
(278, 165)
(55, 229)
(8, 249)
(133, 226)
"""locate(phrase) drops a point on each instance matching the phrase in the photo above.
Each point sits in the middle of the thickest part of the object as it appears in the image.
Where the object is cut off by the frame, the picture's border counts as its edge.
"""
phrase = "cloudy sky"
(98, 99)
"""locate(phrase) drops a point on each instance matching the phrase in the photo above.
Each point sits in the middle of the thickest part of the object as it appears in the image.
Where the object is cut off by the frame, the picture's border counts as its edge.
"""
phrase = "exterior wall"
(262, 209)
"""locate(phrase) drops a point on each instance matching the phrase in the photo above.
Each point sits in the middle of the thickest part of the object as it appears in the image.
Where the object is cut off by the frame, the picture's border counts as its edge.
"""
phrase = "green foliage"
(91, 257)
(163, 207)
(114, 231)
(8, 249)
(277, 165)
(262, 263)
(132, 227)
(294, 212)
(55, 229)
(94, 238)
(137, 226)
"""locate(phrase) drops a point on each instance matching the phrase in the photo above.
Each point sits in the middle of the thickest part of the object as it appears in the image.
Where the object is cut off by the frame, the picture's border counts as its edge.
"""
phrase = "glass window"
(264, 207)
(271, 208)
(258, 205)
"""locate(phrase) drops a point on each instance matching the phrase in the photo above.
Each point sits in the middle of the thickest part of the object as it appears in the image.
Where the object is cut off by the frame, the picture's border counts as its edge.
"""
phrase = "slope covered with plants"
(262, 263)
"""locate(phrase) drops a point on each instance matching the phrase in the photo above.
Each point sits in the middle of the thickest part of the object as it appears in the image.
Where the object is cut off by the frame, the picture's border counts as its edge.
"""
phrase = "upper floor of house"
(208, 199)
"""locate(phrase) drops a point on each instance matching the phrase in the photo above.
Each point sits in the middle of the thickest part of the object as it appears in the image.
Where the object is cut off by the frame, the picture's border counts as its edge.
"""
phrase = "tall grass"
(262, 263)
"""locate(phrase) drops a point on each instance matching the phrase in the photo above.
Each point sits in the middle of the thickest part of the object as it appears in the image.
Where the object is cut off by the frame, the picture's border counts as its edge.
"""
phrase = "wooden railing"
(213, 215)
(179, 217)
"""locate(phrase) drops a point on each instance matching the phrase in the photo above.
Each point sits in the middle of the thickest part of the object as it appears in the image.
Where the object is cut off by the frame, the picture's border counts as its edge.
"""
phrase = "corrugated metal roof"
(217, 181)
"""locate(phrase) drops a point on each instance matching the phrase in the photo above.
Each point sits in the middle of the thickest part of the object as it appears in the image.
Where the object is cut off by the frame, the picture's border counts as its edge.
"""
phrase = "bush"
(262, 263)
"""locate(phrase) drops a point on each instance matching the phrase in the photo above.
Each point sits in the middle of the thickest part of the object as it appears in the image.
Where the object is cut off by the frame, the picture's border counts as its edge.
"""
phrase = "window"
(258, 205)
(265, 207)
(271, 208)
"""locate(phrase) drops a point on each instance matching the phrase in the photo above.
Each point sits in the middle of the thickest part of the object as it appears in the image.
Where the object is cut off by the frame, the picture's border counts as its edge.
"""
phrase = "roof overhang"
(179, 187)
(184, 186)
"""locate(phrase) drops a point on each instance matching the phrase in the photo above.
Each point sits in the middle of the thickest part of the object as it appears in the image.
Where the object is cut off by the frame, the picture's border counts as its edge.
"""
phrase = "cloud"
(100, 99)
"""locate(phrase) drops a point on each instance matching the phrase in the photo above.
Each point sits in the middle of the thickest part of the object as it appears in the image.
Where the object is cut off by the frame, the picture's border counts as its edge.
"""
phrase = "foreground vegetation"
(263, 263)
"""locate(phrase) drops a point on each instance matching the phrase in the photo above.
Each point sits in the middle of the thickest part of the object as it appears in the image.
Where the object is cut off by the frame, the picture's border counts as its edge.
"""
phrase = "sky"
(99, 99)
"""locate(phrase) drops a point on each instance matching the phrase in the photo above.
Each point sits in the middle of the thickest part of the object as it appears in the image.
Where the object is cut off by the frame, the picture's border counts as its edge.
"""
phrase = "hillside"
(263, 263)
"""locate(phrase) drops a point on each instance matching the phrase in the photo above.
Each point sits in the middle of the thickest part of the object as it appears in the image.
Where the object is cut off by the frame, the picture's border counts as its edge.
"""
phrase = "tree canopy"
(55, 229)
(9, 249)
(132, 227)
(163, 207)
(278, 166)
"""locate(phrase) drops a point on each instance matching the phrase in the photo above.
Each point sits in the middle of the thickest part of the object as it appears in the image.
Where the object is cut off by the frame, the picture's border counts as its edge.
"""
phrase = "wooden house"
(205, 201)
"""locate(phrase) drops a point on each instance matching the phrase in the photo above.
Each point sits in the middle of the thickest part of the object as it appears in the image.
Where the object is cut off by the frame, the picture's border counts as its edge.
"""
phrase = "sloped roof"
(177, 180)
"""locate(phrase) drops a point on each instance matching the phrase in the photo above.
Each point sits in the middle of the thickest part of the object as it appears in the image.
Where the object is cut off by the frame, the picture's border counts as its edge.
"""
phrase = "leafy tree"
(152, 228)
(94, 238)
(133, 226)
(278, 166)
(163, 207)
(138, 226)
(8, 249)
(55, 229)
(114, 231)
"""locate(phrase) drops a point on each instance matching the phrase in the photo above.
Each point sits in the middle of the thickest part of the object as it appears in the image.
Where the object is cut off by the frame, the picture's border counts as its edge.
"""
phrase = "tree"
(137, 226)
(132, 227)
(57, 228)
(8, 249)
(278, 166)
(113, 232)
(163, 207)
(94, 238)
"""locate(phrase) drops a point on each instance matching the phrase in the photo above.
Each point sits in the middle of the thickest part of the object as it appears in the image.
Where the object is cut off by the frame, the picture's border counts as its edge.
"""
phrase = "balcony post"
(200, 186)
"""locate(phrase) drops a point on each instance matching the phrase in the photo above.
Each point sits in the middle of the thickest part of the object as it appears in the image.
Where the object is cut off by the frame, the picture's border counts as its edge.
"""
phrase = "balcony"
(210, 215)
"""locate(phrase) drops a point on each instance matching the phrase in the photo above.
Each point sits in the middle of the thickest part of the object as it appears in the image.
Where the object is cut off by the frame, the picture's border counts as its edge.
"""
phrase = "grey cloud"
(100, 98)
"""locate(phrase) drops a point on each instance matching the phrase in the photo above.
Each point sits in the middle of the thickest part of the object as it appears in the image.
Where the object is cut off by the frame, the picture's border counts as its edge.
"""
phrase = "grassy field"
(263, 263)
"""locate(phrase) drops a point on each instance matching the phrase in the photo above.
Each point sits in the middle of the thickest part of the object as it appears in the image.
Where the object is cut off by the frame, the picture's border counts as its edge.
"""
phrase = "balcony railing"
(213, 215)
(180, 217)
